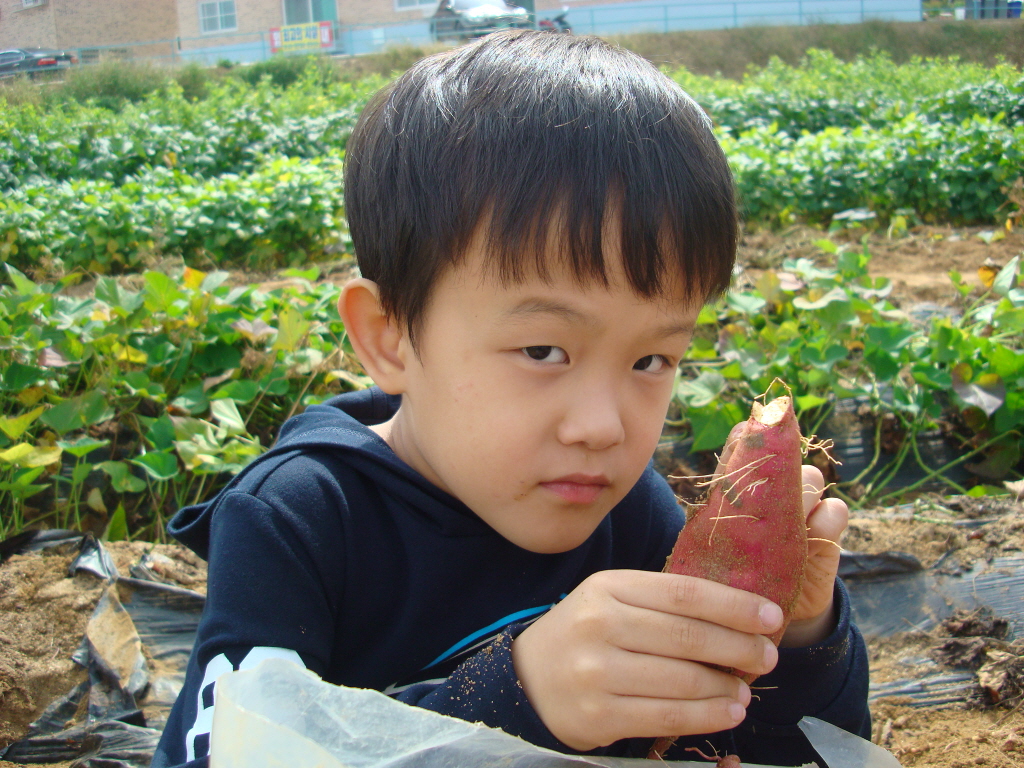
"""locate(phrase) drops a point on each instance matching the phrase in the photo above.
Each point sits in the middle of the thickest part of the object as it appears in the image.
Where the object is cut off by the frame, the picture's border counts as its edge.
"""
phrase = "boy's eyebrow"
(536, 306)
(674, 329)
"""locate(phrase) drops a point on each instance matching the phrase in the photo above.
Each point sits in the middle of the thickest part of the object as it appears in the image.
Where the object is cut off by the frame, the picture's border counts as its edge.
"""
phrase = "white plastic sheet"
(280, 716)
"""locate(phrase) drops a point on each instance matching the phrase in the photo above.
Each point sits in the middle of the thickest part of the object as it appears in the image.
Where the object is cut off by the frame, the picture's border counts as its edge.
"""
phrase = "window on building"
(405, 5)
(32, 3)
(308, 11)
(297, 12)
(217, 16)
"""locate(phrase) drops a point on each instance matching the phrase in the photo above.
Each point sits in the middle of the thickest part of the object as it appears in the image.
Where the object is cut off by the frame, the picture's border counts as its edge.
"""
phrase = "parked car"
(463, 19)
(31, 61)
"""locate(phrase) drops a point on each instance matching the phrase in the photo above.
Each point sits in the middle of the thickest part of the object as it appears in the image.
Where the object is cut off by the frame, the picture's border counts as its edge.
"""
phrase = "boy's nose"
(593, 417)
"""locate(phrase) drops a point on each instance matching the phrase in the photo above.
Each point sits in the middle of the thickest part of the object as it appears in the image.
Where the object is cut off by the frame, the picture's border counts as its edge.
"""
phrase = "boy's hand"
(814, 616)
(620, 657)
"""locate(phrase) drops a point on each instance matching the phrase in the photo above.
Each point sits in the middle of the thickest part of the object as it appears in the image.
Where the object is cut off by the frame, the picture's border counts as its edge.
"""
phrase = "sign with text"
(302, 37)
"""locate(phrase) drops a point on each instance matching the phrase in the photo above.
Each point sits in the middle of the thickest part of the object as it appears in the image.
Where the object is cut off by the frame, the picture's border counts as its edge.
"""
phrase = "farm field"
(172, 258)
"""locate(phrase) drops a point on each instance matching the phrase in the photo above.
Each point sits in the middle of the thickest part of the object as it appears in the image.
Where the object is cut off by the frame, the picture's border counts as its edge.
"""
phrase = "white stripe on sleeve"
(218, 666)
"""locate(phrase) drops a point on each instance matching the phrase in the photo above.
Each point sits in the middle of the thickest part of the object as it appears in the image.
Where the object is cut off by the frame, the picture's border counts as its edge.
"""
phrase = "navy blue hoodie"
(333, 552)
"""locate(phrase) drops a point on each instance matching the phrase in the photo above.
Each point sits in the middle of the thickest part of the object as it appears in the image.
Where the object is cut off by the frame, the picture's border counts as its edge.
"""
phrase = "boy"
(538, 220)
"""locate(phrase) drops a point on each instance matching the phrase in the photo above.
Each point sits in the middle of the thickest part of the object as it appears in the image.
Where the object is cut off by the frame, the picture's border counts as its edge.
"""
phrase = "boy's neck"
(383, 430)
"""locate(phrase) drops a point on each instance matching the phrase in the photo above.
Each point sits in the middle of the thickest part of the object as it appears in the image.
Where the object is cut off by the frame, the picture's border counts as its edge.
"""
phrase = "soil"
(917, 262)
(932, 530)
(43, 611)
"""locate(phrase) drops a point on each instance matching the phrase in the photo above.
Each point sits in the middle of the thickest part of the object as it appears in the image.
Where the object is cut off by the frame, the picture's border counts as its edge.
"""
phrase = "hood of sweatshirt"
(339, 426)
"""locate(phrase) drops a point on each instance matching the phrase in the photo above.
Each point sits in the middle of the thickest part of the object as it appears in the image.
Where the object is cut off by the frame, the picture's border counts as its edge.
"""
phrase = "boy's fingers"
(814, 484)
(694, 598)
(651, 718)
(828, 520)
(662, 635)
(637, 674)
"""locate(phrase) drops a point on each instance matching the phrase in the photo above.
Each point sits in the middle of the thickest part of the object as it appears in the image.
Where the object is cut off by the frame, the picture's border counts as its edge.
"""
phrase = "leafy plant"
(286, 211)
(150, 396)
(831, 334)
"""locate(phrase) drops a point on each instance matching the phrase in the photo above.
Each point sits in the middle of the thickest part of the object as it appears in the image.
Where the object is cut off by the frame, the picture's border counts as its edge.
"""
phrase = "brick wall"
(379, 12)
(26, 27)
(88, 23)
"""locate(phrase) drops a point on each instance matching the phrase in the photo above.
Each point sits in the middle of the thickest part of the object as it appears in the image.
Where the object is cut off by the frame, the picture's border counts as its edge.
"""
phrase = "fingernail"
(737, 712)
(770, 655)
(771, 615)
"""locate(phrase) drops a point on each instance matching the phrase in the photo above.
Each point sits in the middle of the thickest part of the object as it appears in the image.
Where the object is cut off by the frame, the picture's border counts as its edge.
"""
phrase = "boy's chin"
(551, 544)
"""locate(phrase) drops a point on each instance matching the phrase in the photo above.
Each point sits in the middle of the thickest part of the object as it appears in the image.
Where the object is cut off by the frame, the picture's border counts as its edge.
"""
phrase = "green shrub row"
(802, 114)
(290, 209)
(228, 132)
(940, 171)
(235, 124)
(286, 211)
(824, 91)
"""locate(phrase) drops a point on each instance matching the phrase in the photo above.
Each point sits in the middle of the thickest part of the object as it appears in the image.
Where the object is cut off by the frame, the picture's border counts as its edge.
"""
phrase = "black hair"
(533, 133)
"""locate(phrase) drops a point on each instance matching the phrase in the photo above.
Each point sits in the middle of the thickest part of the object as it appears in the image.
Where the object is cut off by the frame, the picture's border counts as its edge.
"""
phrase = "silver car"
(463, 19)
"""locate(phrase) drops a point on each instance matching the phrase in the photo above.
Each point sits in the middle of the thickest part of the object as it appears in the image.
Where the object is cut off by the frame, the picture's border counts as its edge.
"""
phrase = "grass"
(729, 52)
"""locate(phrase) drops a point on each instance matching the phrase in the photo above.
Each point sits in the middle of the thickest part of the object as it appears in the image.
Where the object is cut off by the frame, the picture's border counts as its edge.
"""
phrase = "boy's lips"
(578, 488)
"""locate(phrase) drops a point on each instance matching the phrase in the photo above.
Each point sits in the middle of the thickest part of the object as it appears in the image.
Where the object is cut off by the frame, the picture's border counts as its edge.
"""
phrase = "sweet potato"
(749, 531)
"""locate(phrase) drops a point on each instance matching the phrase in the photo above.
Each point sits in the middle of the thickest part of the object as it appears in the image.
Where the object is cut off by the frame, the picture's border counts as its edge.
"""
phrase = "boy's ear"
(379, 342)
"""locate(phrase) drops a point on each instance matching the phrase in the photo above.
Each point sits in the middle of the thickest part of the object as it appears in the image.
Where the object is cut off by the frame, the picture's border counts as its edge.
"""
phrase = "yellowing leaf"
(31, 396)
(291, 329)
(770, 286)
(95, 501)
(987, 273)
(129, 354)
(100, 314)
(193, 278)
(16, 452)
(25, 455)
(15, 426)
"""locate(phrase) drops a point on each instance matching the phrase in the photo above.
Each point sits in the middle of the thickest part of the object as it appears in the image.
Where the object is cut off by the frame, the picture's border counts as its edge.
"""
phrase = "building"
(253, 30)
(87, 25)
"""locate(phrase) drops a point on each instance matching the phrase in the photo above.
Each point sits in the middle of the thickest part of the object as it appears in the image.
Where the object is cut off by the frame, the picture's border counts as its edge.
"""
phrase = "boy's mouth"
(578, 488)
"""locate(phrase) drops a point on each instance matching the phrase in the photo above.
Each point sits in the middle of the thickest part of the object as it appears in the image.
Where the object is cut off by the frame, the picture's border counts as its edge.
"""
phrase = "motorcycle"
(556, 24)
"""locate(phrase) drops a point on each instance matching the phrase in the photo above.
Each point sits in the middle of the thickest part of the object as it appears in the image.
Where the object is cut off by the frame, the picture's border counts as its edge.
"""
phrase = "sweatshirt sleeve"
(828, 681)
(263, 601)
(485, 689)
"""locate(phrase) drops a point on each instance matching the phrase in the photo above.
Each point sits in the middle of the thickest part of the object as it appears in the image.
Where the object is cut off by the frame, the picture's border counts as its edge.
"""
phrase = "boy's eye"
(651, 364)
(546, 354)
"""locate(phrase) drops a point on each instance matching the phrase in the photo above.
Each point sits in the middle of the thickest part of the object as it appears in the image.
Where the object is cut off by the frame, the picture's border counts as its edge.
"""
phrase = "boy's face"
(539, 404)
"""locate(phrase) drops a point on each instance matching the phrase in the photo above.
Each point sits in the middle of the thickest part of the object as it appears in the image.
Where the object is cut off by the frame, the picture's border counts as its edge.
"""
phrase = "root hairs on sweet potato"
(750, 532)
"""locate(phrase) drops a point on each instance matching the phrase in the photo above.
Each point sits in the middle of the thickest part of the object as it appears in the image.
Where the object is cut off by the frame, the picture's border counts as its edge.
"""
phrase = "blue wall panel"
(619, 18)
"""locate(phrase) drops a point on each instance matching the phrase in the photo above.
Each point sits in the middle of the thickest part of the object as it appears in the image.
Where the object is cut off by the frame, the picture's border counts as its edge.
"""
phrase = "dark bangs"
(537, 135)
